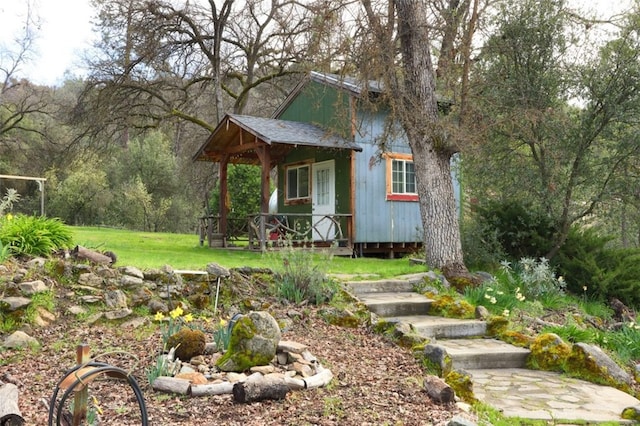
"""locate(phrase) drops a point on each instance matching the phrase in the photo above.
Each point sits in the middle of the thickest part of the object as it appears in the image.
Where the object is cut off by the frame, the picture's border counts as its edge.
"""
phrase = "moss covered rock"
(591, 363)
(188, 343)
(436, 360)
(447, 306)
(549, 352)
(462, 384)
(254, 340)
(497, 325)
(631, 413)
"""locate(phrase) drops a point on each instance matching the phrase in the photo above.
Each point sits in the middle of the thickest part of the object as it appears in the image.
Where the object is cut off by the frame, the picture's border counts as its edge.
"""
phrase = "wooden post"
(224, 194)
(264, 154)
(81, 398)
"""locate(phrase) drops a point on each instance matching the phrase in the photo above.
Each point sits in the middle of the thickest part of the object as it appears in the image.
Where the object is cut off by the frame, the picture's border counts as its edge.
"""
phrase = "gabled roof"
(238, 136)
(351, 85)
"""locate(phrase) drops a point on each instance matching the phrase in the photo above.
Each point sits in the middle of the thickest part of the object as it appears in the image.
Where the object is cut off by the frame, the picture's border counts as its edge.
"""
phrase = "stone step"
(396, 303)
(445, 328)
(474, 354)
(379, 286)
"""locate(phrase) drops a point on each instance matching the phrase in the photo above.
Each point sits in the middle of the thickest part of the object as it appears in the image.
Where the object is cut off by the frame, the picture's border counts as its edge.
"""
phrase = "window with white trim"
(401, 178)
(298, 182)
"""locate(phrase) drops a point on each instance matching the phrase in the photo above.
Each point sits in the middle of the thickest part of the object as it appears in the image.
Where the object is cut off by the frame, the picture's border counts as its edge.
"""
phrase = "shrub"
(592, 269)
(34, 236)
(302, 275)
(521, 230)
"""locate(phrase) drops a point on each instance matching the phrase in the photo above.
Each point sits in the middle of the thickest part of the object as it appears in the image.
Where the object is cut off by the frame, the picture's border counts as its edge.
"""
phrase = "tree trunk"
(9, 412)
(432, 150)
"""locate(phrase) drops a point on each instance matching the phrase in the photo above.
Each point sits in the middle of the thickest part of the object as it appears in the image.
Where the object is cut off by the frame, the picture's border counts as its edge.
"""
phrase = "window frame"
(297, 200)
(391, 158)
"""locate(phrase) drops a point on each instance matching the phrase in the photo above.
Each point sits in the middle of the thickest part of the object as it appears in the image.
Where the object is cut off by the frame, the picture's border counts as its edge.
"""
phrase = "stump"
(260, 390)
(9, 412)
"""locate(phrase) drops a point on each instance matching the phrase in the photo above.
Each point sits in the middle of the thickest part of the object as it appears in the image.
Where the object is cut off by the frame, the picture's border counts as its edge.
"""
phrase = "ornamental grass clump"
(34, 235)
(302, 275)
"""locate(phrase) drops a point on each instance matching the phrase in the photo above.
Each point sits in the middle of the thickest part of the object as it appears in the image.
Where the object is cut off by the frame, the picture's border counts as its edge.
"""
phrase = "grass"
(148, 250)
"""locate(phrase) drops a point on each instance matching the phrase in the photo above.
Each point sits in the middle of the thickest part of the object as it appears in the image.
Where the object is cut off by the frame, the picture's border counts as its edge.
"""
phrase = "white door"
(324, 200)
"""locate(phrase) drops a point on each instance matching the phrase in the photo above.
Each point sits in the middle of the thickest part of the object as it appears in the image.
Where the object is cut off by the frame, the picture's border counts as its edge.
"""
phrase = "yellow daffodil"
(187, 318)
(176, 312)
(9, 216)
(158, 316)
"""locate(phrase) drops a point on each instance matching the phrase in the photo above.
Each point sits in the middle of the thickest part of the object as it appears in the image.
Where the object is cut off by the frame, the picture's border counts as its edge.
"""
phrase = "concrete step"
(445, 328)
(474, 354)
(359, 288)
(396, 303)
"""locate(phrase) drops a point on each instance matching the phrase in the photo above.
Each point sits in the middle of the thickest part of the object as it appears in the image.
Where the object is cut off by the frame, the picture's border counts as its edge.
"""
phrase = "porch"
(265, 231)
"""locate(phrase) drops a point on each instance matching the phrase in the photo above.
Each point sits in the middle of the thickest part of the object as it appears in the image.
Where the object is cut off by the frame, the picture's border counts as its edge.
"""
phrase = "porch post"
(223, 198)
(264, 154)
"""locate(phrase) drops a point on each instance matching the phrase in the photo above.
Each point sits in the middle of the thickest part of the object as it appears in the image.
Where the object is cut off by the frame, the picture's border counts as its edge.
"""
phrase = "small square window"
(297, 182)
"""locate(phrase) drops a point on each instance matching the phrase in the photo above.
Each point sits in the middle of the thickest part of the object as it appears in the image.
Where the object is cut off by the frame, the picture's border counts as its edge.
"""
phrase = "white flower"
(560, 279)
(493, 300)
(505, 313)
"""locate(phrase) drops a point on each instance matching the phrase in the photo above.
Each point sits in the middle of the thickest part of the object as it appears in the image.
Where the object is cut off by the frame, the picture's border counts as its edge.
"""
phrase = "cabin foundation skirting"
(390, 250)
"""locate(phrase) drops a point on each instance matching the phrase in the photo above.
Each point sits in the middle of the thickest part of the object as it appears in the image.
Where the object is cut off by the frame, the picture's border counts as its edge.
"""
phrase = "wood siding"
(378, 220)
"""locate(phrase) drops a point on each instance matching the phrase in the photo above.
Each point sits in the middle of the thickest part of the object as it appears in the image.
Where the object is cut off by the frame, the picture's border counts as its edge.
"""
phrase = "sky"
(65, 32)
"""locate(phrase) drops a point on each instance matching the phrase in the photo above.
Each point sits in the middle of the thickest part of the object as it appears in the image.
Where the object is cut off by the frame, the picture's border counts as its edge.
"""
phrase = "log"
(9, 412)
(438, 390)
(82, 253)
(322, 378)
(212, 389)
(260, 390)
(172, 385)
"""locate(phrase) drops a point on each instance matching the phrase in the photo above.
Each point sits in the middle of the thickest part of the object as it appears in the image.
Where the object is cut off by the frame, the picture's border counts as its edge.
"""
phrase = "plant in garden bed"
(302, 274)
(529, 279)
(173, 323)
(222, 335)
(34, 236)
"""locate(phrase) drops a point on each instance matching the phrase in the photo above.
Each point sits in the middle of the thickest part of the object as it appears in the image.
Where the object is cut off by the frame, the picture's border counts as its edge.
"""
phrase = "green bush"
(592, 269)
(520, 229)
(34, 236)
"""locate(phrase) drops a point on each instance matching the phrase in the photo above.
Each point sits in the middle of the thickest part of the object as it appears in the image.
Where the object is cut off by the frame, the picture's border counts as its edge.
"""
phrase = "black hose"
(100, 368)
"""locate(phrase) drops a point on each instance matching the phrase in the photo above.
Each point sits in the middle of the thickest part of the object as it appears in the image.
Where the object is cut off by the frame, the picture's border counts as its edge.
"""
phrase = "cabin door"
(324, 200)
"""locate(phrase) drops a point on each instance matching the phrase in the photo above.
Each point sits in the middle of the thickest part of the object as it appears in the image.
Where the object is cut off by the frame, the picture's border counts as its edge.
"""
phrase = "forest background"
(546, 98)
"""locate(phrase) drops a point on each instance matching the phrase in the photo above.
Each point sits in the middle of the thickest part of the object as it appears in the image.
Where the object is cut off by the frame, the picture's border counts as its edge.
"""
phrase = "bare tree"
(19, 98)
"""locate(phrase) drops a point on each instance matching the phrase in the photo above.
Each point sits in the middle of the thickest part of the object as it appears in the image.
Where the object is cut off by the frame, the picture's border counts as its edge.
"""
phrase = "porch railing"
(264, 231)
(272, 230)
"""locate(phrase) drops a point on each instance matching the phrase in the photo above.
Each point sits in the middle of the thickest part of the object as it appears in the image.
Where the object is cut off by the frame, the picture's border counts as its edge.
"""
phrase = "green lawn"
(183, 251)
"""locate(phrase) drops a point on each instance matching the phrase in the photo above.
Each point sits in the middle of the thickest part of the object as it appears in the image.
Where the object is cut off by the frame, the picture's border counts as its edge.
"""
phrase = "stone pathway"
(543, 395)
(500, 378)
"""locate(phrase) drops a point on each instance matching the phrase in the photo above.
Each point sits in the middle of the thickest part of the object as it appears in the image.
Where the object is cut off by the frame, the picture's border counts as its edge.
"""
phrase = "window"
(401, 178)
(298, 182)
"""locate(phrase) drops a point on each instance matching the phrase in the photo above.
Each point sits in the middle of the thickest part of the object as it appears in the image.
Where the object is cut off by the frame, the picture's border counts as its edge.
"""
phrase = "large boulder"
(592, 362)
(254, 340)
